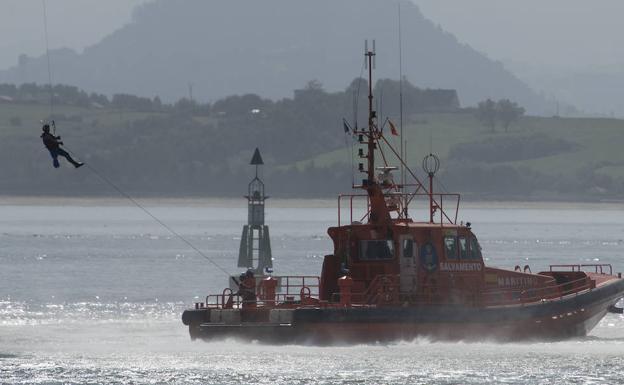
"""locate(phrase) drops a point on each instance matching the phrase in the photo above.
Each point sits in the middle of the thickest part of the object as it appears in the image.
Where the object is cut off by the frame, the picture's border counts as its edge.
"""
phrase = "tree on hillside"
(486, 113)
(508, 112)
(314, 85)
(132, 102)
(240, 105)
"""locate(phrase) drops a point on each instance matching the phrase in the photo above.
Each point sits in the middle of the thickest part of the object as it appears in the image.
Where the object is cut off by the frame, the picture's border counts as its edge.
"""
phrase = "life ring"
(305, 293)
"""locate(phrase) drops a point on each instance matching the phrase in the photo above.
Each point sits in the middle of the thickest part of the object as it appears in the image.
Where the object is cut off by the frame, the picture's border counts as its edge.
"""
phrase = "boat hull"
(568, 317)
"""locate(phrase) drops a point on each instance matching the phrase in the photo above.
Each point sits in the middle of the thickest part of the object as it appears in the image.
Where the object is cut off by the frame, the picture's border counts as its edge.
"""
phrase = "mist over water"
(94, 293)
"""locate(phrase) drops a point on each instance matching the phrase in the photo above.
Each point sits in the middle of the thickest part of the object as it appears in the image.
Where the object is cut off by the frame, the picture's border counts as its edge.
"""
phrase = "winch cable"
(45, 28)
(102, 176)
(146, 211)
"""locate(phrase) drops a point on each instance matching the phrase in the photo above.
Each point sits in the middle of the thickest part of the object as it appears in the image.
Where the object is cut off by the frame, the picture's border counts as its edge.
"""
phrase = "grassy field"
(599, 142)
(86, 119)
(592, 155)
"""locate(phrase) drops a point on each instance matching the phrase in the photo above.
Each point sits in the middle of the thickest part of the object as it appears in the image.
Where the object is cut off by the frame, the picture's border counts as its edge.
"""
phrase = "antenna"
(355, 102)
(374, 54)
(380, 102)
(372, 116)
(430, 140)
(366, 52)
(403, 144)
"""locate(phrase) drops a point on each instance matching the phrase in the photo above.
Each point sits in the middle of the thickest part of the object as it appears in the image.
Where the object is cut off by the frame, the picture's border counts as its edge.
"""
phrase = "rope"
(146, 211)
(45, 26)
(100, 175)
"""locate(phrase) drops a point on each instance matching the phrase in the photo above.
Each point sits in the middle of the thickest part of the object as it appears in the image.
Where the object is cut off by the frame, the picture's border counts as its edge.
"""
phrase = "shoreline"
(282, 203)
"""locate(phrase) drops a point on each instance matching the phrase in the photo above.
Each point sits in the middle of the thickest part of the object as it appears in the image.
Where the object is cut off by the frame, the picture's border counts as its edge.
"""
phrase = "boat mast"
(371, 115)
(378, 211)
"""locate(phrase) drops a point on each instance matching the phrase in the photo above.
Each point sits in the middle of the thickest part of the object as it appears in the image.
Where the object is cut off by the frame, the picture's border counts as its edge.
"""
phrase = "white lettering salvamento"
(455, 266)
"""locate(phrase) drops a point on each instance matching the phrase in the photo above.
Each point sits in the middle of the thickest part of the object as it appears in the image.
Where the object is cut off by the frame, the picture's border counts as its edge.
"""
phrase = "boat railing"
(599, 268)
(386, 289)
(528, 295)
(298, 289)
(222, 300)
(439, 201)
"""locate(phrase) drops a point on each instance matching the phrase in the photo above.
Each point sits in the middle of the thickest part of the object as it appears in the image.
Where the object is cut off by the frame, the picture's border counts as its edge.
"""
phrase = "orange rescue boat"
(392, 278)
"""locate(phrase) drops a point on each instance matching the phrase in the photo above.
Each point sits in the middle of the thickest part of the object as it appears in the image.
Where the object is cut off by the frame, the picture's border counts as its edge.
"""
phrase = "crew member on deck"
(247, 289)
(53, 144)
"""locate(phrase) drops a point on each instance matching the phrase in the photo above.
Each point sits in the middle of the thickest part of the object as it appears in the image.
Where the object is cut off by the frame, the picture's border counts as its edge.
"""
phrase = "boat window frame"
(474, 244)
(414, 248)
(446, 249)
(363, 247)
(465, 253)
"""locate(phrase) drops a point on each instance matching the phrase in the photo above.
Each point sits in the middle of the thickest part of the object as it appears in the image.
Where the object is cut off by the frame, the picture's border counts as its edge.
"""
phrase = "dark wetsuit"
(247, 291)
(53, 145)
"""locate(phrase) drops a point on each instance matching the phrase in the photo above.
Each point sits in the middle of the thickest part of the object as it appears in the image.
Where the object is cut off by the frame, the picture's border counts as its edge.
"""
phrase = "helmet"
(46, 127)
(249, 273)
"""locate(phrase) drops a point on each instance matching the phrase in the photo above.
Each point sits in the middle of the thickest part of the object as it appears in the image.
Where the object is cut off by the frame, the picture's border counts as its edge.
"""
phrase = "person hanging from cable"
(53, 144)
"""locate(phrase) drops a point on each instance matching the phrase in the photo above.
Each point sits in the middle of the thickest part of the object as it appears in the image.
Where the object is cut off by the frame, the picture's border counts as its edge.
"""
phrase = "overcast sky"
(71, 23)
(551, 33)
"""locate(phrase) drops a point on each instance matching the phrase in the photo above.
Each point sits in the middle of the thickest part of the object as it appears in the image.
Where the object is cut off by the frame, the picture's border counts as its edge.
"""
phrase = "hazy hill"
(598, 91)
(271, 47)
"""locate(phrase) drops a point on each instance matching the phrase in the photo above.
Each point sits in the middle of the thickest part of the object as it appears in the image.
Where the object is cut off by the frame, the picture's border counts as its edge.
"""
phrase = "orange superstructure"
(392, 277)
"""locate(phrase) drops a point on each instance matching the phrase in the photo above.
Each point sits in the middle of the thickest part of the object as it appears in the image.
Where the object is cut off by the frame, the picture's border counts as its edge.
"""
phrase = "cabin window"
(409, 248)
(450, 247)
(373, 250)
(463, 248)
(475, 248)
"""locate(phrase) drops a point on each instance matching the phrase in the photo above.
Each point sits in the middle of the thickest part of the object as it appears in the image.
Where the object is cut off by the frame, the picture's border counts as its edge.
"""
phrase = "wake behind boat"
(391, 277)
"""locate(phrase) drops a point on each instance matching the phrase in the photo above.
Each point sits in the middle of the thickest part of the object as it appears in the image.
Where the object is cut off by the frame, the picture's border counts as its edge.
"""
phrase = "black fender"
(195, 316)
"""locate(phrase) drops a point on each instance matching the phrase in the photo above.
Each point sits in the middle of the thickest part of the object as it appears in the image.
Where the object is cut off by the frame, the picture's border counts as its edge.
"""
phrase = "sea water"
(92, 293)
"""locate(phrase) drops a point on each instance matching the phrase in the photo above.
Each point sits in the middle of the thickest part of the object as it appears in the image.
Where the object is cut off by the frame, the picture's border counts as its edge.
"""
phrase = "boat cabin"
(423, 256)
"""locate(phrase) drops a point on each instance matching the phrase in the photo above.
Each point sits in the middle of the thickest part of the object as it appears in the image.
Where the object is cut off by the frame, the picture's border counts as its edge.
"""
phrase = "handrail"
(598, 267)
(514, 290)
(385, 289)
(444, 217)
(575, 267)
(526, 295)
(292, 287)
(351, 196)
(301, 281)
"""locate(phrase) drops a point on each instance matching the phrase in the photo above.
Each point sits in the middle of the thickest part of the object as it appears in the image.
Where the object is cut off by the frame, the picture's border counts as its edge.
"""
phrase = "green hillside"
(593, 159)
(188, 149)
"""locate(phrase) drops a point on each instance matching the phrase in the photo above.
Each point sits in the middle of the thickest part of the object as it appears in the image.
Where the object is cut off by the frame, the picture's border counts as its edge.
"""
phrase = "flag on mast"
(393, 129)
(346, 126)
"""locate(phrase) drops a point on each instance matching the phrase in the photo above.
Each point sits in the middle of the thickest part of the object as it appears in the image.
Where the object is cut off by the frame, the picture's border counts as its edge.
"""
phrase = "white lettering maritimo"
(516, 281)
(453, 266)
